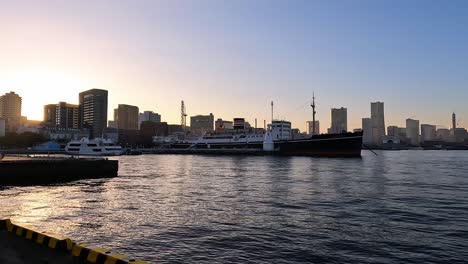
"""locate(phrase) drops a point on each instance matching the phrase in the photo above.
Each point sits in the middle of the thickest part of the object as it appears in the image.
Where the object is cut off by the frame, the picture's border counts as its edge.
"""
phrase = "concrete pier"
(22, 245)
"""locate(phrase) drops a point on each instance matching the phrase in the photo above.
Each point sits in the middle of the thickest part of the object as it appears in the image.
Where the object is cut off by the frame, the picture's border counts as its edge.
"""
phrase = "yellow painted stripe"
(113, 257)
(52, 242)
(76, 251)
(29, 234)
(40, 238)
(19, 230)
(94, 252)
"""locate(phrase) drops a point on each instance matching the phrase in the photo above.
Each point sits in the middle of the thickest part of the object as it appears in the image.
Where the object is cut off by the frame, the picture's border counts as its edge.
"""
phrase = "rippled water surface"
(397, 207)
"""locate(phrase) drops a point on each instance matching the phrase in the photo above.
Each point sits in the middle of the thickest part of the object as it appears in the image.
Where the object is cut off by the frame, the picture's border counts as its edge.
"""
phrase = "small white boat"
(93, 147)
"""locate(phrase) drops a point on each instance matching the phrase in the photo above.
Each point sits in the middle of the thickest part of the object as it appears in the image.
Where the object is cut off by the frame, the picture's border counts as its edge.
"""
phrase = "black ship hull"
(335, 145)
(329, 145)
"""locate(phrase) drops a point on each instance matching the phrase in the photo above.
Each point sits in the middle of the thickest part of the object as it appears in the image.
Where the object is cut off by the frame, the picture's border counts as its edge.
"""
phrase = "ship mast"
(313, 113)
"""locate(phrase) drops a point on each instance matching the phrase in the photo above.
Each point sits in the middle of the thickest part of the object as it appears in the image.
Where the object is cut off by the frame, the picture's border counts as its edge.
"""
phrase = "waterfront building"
(367, 131)
(392, 131)
(200, 124)
(2, 127)
(339, 120)
(378, 122)
(221, 125)
(149, 116)
(112, 123)
(10, 111)
(428, 132)
(62, 115)
(460, 135)
(93, 111)
(176, 129)
(443, 134)
(239, 123)
(126, 117)
(281, 130)
(412, 131)
(311, 125)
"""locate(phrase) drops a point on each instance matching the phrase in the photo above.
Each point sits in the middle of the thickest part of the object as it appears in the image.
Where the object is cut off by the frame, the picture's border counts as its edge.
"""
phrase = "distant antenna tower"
(313, 113)
(183, 115)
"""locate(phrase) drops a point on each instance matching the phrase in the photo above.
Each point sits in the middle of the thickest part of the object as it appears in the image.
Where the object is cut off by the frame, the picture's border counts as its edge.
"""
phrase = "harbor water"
(397, 207)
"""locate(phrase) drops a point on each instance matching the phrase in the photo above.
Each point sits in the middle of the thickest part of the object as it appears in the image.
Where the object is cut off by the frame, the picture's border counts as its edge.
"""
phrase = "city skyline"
(233, 59)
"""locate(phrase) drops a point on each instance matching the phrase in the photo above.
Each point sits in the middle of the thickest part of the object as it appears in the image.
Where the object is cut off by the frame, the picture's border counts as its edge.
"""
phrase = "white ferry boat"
(93, 147)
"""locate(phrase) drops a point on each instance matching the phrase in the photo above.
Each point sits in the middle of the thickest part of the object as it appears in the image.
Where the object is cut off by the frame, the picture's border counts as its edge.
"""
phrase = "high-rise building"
(311, 125)
(62, 115)
(412, 131)
(454, 121)
(200, 124)
(93, 111)
(149, 116)
(367, 131)
(10, 111)
(378, 122)
(127, 117)
(428, 132)
(2, 127)
(339, 120)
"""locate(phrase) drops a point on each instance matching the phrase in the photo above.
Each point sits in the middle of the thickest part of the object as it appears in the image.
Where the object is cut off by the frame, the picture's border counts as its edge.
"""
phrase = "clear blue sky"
(233, 57)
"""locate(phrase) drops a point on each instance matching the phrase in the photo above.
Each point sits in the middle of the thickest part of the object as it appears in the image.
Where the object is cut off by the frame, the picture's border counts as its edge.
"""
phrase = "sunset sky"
(232, 58)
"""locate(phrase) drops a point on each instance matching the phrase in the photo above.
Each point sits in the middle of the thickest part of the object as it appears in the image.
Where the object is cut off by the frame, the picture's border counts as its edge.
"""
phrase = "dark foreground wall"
(48, 171)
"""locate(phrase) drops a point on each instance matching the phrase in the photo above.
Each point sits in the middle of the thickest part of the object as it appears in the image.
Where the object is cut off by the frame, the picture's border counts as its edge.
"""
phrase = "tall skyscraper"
(367, 131)
(93, 111)
(127, 117)
(454, 121)
(10, 111)
(378, 122)
(339, 120)
(412, 131)
(62, 115)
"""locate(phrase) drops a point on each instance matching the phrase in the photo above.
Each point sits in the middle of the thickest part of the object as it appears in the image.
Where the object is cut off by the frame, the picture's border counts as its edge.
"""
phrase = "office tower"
(127, 117)
(367, 131)
(428, 132)
(339, 120)
(62, 115)
(200, 124)
(10, 111)
(378, 122)
(93, 111)
(311, 125)
(412, 131)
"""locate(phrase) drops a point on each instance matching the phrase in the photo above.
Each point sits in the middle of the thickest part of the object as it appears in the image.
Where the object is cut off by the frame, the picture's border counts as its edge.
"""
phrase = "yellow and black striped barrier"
(84, 252)
(101, 255)
(51, 240)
